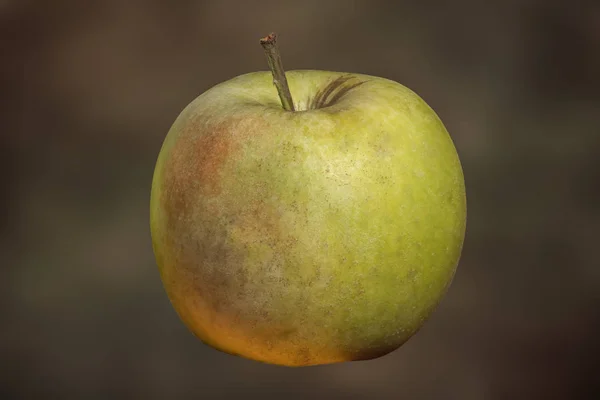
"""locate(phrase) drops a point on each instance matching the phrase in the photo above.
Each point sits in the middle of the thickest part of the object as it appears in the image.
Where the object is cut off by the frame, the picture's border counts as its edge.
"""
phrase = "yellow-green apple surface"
(314, 236)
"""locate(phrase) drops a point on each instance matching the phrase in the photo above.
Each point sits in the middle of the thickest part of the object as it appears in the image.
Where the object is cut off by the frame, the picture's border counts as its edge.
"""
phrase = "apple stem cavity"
(269, 44)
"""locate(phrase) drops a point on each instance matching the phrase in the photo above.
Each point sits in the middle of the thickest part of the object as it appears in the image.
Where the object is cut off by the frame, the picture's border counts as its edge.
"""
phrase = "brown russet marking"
(214, 149)
(196, 244)
(197, 157)
(191, 171)
(193, 166)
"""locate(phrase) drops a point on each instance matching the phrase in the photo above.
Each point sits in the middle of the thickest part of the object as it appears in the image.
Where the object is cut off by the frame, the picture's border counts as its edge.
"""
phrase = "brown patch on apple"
(192, 171)
(195, 163)
(201, 260)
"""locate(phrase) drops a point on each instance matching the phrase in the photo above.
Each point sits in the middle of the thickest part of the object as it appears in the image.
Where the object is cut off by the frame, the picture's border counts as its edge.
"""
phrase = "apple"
(320, 235)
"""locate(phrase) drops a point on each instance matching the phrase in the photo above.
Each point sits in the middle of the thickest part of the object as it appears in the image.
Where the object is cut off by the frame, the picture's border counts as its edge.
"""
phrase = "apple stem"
(269, 44)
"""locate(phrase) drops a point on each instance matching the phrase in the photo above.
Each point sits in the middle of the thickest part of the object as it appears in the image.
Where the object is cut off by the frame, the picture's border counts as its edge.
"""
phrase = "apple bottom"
(269, 334)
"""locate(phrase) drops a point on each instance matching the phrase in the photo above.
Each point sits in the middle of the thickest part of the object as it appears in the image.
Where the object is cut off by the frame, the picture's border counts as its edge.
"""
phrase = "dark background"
(90, 88)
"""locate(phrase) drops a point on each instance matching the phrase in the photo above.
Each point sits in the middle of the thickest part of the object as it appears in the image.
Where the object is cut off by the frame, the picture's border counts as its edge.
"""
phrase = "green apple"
(317, 236)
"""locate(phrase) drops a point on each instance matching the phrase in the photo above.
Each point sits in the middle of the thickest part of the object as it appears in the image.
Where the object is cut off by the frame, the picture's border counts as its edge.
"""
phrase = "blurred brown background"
(90, 88)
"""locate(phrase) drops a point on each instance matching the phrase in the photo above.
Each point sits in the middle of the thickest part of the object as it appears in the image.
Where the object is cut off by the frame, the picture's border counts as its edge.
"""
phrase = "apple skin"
(311, 237)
